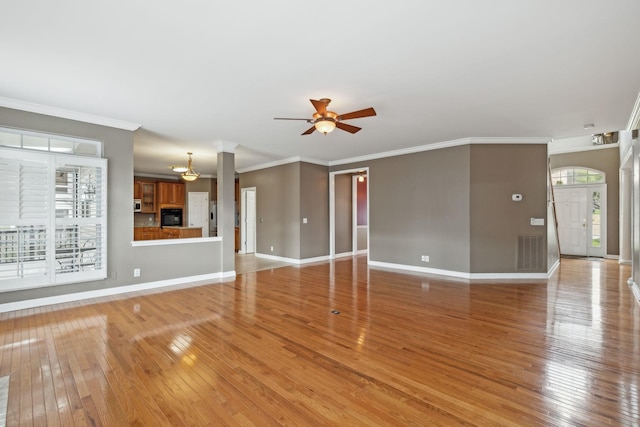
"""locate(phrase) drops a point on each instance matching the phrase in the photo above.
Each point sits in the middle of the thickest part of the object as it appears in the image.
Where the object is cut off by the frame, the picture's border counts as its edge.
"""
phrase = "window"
(576, 176)
(53, 212)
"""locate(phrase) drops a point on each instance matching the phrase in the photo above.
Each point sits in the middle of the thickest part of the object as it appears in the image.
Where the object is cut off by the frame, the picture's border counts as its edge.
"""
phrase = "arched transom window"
(576, 176)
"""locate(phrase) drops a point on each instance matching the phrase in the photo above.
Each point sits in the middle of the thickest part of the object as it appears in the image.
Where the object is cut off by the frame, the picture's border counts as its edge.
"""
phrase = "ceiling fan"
(325, 121)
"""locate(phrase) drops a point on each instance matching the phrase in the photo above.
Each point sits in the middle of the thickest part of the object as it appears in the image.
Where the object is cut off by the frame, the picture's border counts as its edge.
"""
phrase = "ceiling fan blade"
(367, 112)
(288, 118)
(309, 131)
(320, 105)
(348, 128)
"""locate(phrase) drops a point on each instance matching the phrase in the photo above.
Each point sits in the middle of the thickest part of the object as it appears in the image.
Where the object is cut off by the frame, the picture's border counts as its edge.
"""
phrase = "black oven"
(170, 217)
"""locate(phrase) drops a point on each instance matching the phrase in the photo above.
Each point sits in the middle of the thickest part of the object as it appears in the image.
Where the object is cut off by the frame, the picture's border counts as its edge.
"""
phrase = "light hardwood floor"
(266, 349)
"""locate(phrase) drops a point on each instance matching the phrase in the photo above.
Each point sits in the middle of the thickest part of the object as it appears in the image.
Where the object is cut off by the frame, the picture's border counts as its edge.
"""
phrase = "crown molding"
(583, 148)
(441, 145)
(282, 162)
(67, 114)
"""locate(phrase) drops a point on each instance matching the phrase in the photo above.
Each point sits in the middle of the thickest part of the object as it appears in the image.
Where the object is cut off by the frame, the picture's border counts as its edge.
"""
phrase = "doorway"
(248, 221)
(341, 244)
(582, 214)
(198, 206)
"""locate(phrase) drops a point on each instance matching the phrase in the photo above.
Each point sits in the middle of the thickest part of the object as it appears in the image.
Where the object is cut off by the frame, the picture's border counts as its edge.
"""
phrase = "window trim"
(53, 161)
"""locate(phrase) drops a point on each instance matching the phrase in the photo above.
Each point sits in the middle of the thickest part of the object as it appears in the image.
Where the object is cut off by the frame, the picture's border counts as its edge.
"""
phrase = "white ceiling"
(194, 73)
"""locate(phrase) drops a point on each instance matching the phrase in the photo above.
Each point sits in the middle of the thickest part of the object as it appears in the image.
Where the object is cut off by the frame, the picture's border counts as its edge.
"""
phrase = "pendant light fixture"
(190, 175)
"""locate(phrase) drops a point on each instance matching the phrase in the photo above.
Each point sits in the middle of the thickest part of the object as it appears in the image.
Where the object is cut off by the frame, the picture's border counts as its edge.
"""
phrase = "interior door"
(249, 220)
(198, 205)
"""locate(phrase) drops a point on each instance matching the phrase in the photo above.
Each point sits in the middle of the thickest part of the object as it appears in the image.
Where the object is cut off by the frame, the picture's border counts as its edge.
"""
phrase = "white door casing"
(248, 221)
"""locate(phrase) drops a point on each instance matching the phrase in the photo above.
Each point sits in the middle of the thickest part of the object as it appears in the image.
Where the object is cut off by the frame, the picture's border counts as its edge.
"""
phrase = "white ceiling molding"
(282, 162)
(411, 150)
(634, 120)
(67, 114)
(441, 145)
(579, 149)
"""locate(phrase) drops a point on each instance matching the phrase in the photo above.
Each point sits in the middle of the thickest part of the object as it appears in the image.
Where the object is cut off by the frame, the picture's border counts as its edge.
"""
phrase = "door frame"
(332, 209)
(243, 220)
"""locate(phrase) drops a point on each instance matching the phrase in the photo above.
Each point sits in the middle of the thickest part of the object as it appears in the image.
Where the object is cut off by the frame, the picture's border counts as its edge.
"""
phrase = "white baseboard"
(464, 275)
(635, 289)
(624, 261)
(343, 255)
(292, 260)
(609, 256)
(117, 290)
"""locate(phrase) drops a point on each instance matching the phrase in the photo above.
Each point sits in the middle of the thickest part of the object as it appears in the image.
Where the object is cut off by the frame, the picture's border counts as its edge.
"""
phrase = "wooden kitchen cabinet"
(180, 232)
(146, 233)
(146, 192)
(171, 193)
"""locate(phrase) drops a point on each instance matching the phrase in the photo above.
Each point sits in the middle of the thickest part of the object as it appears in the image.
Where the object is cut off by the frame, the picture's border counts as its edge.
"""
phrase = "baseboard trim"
(292, 260)
(609, 256)
(460, 274)
(624, 261)
(635, 289)
(117, 290)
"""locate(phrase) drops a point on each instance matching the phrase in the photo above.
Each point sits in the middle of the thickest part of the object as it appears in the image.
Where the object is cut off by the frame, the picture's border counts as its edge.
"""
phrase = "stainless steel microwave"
(137, 205)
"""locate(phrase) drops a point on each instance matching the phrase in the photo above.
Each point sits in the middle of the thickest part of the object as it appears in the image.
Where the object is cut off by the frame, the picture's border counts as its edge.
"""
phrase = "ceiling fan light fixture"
(190, 175)
(325, 125)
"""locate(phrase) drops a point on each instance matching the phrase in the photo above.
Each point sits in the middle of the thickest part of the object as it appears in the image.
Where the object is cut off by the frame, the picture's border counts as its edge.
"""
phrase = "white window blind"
(52, 219)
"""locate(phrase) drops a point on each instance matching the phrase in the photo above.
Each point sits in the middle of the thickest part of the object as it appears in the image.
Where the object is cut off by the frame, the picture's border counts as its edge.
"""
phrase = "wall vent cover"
(530, 253)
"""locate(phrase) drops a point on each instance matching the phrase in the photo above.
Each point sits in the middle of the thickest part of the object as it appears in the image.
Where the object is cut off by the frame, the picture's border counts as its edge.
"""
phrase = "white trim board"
(409, 150)
(551, 152)
(118, 290)
(292, 260)
(67, 114)
(464, 275)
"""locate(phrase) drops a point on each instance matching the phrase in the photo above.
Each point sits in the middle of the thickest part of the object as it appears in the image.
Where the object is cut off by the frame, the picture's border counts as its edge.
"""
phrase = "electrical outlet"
(424, 258)
(136, 272)
(271, 248)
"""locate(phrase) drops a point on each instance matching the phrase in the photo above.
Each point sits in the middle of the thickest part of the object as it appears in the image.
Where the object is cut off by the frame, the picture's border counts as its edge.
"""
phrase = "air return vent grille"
(530, 253)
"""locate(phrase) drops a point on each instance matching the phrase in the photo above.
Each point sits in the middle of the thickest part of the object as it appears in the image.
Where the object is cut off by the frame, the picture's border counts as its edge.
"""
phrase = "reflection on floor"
(247, 263)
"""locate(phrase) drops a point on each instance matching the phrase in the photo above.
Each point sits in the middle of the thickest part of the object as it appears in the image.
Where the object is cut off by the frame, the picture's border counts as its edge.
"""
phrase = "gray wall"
(607, 160)
(277, 209)
(285, 195)
(497, 172)
(454, 205)
(344, 214)
(122, 258)
(419, 205)
(314, 205)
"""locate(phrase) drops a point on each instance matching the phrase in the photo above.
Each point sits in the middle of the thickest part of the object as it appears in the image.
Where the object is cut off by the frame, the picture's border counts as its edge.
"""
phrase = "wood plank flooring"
(266, 349)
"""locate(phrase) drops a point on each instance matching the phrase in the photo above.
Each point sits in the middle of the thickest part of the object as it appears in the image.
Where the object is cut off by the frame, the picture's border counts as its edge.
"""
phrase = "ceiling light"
(190, 175)
(325, 125)
(589, 126)
(179, 168)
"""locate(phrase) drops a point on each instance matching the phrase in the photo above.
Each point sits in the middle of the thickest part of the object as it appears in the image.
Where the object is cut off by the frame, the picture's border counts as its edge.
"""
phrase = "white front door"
(581, 212)
(248, 234)
(198, 205)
